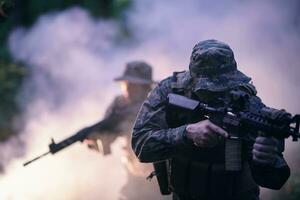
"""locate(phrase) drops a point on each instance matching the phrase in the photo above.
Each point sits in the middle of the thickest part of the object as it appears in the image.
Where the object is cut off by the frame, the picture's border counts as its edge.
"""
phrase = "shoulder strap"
(180, 83)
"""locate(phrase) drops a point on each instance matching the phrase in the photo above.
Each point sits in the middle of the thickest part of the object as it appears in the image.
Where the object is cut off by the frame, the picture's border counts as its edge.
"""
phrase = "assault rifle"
(237, 118)
(106, 124)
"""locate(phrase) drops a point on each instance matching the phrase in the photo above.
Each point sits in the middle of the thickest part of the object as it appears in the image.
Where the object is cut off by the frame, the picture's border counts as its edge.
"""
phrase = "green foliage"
(25, 13)
(120, 6)
(11, 76)
(32, 9)
(5, 7)
(4, 31)
(106, 8)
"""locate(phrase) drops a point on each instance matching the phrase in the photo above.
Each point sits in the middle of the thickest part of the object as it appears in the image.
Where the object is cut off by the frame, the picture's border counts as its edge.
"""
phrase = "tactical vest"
(199, 173)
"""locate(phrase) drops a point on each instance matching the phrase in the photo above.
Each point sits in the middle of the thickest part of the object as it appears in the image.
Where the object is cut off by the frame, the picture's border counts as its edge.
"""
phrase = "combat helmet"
(137, 72)
(213, 67)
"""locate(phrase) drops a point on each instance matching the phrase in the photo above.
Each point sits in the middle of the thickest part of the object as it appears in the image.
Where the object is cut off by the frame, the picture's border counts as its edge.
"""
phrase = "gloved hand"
(265, 150)
(205, 133)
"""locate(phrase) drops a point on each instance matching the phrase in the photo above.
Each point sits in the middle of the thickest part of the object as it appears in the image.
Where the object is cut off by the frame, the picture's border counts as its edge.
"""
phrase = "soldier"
(194, 146)
(136, 83)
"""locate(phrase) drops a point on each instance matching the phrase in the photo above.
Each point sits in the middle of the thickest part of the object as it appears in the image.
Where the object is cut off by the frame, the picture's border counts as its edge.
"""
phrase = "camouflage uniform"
(118, 121)
(198, 173)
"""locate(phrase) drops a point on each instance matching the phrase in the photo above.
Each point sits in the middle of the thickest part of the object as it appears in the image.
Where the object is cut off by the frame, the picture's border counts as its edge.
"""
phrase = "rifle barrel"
(28, 162)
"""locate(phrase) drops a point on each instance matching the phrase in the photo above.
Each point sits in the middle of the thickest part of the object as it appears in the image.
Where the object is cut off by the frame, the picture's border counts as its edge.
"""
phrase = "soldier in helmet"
(136, 82)
(193, 145)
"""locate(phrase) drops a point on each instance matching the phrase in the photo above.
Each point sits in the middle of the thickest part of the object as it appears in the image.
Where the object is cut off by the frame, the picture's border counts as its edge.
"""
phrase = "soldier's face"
(124, 88)
(133, 89)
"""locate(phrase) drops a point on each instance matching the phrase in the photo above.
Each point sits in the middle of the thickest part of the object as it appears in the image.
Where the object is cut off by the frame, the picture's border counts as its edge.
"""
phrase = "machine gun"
(81, 135)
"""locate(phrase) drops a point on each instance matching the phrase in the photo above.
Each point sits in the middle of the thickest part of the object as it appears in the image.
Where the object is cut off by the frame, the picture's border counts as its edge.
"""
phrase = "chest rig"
(181, 85)
(199, 173)
(175, 117)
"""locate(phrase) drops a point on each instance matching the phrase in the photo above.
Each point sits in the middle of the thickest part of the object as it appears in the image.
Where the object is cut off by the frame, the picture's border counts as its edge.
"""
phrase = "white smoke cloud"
(69, 88)
(74, 58)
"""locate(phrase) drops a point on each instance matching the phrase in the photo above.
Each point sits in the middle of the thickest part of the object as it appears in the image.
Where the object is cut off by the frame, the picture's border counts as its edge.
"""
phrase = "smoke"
(73, 59)
(69, 88)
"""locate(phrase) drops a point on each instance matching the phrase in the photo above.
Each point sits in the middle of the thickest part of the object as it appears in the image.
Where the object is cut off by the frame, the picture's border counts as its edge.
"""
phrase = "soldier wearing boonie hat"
(213, 67)
(137, 72)
(192, 147)
(136, 82)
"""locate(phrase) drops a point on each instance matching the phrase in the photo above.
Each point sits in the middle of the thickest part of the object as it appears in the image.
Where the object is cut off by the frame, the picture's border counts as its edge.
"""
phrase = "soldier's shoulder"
(183, 75)
(178, 78)
(181, 80)
(160, 92)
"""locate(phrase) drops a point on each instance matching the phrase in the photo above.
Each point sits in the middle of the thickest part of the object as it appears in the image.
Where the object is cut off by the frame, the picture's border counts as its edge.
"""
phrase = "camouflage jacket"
(153, 140)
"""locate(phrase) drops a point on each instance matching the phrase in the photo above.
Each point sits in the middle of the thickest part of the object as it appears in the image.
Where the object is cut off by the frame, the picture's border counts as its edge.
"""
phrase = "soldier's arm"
(152, 139)
(105, 130)
(269, 176)
(273, 177)
(110, 121)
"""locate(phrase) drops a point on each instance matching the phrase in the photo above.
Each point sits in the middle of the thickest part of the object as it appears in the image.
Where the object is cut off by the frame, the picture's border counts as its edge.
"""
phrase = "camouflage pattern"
(213, 66)
(154, 139)
(137, 72)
